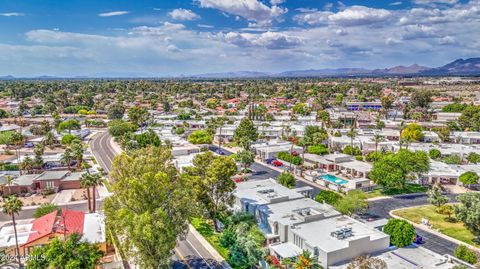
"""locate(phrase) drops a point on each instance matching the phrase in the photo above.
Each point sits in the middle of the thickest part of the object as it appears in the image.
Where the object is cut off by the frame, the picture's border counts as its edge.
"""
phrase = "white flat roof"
(286, 250)
(310, 232)
(94, 228)
(249, 190)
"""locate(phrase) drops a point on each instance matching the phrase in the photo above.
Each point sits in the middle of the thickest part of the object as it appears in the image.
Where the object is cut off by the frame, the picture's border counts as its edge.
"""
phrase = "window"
(49, 184)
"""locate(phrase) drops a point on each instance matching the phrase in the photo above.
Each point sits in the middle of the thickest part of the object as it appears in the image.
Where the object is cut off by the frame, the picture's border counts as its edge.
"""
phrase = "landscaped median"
(448, 226)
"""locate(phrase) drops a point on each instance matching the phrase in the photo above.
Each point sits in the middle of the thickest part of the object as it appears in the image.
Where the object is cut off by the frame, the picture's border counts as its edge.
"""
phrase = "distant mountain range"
(460, 67)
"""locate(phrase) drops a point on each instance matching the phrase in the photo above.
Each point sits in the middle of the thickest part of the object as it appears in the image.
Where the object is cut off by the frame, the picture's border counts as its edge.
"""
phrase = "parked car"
(277, 163)
(219, 152)
(29, 145)
(269, 161)
(418, 239)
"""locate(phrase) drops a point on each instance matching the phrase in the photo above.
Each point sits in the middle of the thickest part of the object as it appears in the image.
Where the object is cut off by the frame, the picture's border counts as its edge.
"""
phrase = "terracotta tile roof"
(72, 220)
(42, 226)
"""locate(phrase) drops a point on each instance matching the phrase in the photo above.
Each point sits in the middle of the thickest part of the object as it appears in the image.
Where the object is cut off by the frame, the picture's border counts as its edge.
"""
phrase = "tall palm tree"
(77, 152)
(27, 164)
(377, 138)
(67, 157)
(9, 184)
(13, 206)
(86, 183)
(96, 179)
(17, 139)
(352, 134)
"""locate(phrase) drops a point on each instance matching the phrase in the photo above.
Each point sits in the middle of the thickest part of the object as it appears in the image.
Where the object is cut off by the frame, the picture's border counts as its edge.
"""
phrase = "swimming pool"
(334, 179)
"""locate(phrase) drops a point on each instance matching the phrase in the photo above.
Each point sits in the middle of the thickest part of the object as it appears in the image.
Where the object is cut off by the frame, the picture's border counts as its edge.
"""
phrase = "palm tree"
(77, 152)
(352, 134)
(67, 157)
(96, 180)
(9, 184)
(27, 164)
(17, 139)
(307, 261)
(377, 138)
(401, 126)
(304, 142)
(86, 183)
(13, 206)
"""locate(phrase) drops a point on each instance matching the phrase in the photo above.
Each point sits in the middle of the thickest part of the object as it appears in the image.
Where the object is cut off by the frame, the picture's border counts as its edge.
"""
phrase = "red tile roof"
(72, 220)
(42, 226)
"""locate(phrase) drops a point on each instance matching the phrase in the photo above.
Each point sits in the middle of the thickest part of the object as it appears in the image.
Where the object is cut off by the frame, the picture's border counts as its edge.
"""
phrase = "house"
(354, 106)
(48, 180)
(466, 137)
(20, 184)
(293, 223)
(270, 149)
(41, 231)
(446, 116)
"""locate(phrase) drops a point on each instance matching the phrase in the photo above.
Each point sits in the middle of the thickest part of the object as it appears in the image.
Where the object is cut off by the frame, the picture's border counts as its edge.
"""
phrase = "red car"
(277, 163)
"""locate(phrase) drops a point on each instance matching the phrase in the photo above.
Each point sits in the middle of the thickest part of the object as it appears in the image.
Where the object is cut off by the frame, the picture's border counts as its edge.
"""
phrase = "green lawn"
(207, 231)
(439, 222)
(410, 188)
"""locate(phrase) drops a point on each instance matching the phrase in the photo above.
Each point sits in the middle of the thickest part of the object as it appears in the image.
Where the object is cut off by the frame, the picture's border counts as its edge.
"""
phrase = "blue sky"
(164, 38)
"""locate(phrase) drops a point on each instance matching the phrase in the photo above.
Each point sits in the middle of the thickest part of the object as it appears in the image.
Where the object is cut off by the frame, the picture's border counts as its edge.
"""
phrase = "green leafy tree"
(421, 98)
(77, 152)
(45, 209)
(116, 111)
(151, 205)
(448, 210)
(329, 197)
(12, 206)
(354, 202)
(70, 253)
(301, 109)
(469, 178)
(401, 232)
(435, 196)
(286, 179)
(393, 170)
(118, 128)
(138, 115)
(200, 137)
(246, 158)
(69, 125)
(468, 211)
(245, 131)
(218, 186)
(67, 157)
(413, 132)
(68, 138)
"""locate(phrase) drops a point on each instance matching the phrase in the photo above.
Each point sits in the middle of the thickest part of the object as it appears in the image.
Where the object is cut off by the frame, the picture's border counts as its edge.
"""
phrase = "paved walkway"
(63, 197)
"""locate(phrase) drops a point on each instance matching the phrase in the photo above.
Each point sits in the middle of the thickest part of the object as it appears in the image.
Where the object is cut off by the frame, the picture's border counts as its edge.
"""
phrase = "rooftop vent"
(342, 233)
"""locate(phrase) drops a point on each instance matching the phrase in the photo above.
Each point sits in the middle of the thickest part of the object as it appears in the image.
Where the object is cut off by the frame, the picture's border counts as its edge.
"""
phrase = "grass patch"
(454, 229)
(409, 188)
(208, 232)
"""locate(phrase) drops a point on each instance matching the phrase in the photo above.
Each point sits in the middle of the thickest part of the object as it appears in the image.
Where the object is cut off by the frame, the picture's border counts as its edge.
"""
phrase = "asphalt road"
(189, 252)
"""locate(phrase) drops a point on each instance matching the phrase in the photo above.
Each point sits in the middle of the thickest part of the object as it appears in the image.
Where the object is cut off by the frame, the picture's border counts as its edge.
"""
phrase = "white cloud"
(352, 16)
(252, 10)
(113, 13)
(181, 14)
(12, 14)
(359, 15)
(428, 2)
(270, 40)
(396, 3)
(277, 2)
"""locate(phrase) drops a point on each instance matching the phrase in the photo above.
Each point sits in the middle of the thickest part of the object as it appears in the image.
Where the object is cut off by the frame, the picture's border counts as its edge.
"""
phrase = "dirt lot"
(35, 199)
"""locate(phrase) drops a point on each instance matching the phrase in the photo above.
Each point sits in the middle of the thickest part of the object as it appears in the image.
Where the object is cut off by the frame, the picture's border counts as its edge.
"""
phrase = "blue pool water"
(334, 179)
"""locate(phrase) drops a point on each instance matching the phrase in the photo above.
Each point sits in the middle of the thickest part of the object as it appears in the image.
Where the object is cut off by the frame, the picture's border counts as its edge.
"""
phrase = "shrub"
(330, 197)
(68, 138)
(465, 254)
(452, 159)
(348, 150)
(317, 149)
(401, 232)
(285, 156)
(45, 209)
(287, 180)
(435, 154)
(373, 156)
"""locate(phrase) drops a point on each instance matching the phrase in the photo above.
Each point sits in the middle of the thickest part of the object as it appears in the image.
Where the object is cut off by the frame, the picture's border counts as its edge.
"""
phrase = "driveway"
(63, 197)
